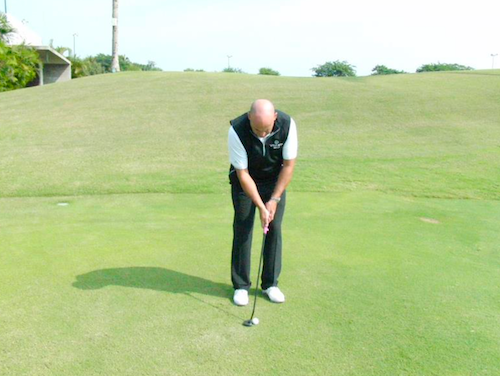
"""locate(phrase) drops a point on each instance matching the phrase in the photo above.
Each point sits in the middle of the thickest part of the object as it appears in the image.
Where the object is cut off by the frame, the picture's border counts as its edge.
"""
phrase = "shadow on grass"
(159, 279)
(151, 278)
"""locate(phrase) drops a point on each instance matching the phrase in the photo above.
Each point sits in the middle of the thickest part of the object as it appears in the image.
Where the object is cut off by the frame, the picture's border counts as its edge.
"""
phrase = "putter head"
(248, 323)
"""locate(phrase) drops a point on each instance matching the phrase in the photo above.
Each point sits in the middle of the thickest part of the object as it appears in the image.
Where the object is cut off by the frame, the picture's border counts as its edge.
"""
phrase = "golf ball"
(255, 321)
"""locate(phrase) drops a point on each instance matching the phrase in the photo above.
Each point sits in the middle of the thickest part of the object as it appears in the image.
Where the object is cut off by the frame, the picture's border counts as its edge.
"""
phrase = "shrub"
(18, 64)
(125, 64)
(85, 67)
(334, 69)
(442, 67)
(268, 72)
(101, 63)
(232, 70)
(150, 66)
(382, 70)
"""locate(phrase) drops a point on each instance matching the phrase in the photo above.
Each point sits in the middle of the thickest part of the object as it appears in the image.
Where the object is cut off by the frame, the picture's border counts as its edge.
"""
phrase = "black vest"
(264, 161)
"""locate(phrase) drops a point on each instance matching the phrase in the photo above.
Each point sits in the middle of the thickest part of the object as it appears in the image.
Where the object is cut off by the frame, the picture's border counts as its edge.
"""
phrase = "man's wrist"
(276, 199)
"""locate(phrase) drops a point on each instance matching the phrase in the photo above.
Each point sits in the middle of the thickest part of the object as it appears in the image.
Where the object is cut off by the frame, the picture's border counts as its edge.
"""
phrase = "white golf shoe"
(275, 295)
(240, 297)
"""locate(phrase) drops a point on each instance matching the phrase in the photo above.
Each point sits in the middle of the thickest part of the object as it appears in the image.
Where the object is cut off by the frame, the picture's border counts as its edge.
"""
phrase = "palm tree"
(63, 50)
(5, 28)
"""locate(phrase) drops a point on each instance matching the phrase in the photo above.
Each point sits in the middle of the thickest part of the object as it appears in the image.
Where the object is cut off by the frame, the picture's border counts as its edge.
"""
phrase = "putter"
(251, 321)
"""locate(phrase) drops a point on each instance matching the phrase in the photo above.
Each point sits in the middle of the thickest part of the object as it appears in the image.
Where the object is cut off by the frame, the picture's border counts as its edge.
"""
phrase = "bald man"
(262, 151)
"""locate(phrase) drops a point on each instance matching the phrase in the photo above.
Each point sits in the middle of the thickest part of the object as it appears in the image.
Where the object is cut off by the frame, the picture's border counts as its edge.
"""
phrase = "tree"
(5, 27)
(232, 70)
(18, 64)
(101, 63)
(85, 67)
(439, 67)
(105, 61)
(125, 63)
(334, 69)
(63, 50)
(150, 66)
(268, 72)
(383, 70)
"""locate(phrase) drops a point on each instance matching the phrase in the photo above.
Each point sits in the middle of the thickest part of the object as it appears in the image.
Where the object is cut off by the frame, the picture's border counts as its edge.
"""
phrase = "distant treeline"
(101, 63)
(344, 69)
(262, 71)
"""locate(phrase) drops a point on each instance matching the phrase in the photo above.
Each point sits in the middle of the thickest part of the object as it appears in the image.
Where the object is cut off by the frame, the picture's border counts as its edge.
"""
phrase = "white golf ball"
(255, 321)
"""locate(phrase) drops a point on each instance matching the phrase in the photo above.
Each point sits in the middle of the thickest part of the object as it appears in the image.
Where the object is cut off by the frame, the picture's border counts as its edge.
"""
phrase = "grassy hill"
(166, 132)
(390, 238)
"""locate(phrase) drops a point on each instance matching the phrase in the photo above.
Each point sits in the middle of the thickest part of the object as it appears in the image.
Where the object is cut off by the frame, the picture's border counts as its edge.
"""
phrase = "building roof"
(50, 56)
(22, 33)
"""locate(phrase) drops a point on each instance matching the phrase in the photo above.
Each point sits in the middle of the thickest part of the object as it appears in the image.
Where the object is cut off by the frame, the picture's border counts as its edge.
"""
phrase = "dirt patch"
(430, 220)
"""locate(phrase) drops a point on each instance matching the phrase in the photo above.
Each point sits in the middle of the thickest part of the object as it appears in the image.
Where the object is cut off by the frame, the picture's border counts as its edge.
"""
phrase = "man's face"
(262, 124)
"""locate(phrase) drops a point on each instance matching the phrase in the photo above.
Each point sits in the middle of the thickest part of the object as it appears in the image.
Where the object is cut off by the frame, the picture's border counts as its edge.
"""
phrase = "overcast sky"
(290, 36)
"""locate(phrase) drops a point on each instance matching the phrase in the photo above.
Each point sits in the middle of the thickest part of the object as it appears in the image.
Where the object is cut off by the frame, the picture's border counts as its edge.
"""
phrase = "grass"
(132, 277)
(166, 133)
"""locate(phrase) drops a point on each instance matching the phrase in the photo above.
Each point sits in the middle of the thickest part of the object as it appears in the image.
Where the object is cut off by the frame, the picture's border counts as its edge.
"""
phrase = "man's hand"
(264, 216)
(271, 207)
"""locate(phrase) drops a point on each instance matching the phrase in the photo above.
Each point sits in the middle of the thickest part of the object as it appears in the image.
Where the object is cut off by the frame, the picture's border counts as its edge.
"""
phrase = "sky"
(290, 36)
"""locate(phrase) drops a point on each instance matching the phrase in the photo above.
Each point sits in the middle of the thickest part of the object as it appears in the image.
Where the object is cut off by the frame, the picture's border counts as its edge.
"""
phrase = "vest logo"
(277, 145)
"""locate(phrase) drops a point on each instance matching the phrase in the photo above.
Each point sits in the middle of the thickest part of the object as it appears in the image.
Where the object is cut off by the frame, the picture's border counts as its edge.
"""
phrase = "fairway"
(391, 236)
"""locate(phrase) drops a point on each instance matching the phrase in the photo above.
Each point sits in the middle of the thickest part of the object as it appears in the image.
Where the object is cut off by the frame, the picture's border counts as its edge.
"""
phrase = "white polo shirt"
(238, 155)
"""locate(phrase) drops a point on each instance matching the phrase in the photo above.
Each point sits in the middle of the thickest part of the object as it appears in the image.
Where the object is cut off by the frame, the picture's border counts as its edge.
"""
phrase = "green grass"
(132, 277)
(166, 132)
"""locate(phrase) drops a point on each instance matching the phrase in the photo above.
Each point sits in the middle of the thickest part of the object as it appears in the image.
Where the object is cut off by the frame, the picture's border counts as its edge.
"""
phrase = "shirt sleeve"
(290, 149)
(237, 154)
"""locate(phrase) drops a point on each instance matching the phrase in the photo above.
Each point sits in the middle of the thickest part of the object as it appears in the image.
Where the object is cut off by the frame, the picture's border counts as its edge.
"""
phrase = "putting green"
(137, 284)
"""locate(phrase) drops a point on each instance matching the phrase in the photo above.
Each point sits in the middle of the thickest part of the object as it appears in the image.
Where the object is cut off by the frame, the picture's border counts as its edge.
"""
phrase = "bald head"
(262, 116)
(262, 106)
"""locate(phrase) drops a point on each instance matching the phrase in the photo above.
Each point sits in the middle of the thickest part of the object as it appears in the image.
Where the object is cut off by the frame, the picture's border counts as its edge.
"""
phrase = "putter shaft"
(249, 322)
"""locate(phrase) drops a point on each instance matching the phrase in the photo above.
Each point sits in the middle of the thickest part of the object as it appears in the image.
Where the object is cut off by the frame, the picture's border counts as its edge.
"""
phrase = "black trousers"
(244, 215)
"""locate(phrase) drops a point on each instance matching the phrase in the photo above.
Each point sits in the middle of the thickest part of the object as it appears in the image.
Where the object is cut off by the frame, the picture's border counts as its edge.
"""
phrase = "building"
(54, 67)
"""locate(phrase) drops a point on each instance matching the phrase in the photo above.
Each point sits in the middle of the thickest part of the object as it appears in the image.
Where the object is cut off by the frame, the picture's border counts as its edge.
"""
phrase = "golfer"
(262, 150)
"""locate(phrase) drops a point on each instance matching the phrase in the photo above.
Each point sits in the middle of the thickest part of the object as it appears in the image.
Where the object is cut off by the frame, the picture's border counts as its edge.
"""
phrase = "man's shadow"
(152, 278)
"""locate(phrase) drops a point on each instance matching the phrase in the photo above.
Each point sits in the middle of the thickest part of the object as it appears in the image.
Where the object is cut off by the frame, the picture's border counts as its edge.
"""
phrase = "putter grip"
(266, 229)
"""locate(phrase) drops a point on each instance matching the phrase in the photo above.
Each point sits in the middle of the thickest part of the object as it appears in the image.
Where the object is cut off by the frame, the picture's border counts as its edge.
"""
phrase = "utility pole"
(493, 60)
(115, 64)
(5, 2)
(74, 44)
